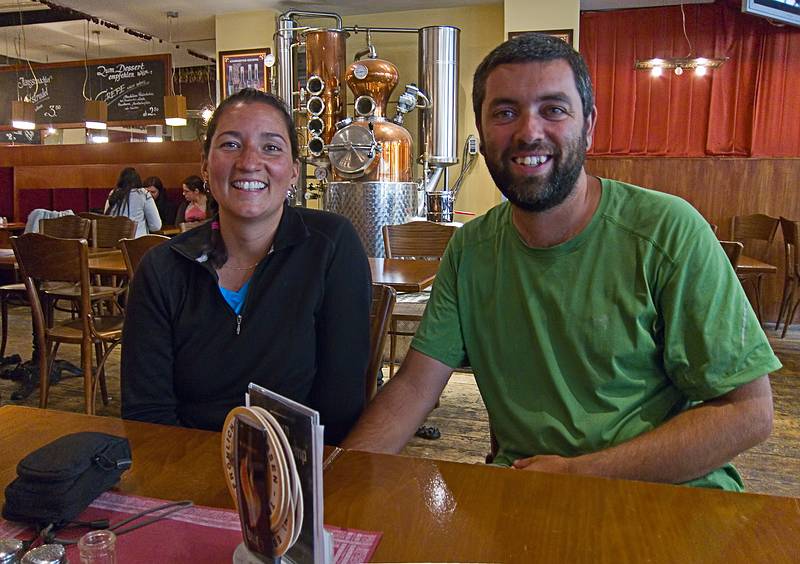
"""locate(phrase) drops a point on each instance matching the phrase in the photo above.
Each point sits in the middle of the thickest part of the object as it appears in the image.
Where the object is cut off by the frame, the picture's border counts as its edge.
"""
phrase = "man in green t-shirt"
(605, 326)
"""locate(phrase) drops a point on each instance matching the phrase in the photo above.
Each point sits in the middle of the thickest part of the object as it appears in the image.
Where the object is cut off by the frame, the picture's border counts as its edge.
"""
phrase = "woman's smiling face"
(249, 165)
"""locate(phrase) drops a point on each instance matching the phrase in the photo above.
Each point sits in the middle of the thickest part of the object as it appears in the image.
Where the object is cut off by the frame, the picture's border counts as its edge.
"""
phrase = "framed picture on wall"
(243, 69)
(563, 34)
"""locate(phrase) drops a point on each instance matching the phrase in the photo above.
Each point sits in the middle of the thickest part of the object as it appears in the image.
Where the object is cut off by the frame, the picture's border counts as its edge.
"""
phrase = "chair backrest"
(66, 227)
(791, 246)
(134, 249)
(420, 239)
(755, 228)
(734, 250)
(383, 298)
(109, 229)
(42, 258)
(91, 215)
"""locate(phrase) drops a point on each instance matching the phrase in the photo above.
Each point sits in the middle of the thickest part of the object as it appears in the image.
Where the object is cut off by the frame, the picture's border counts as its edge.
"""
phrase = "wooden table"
(9, 229)
(441, 511)
(750, 265)
(404, 275)
(101, 261)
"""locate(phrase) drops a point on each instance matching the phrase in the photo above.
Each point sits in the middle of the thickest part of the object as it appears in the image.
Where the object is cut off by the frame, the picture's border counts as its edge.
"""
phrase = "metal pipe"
(438, 79)
(357, 29)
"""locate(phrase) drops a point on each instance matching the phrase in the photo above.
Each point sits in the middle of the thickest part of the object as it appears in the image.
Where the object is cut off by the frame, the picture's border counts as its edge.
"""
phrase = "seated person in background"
(166, 209)
(264, 293)
(606, 328)
(130, 199)
(196, 204)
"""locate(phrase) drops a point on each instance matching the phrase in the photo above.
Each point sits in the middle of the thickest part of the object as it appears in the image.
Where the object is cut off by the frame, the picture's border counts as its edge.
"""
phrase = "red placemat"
(196, 534)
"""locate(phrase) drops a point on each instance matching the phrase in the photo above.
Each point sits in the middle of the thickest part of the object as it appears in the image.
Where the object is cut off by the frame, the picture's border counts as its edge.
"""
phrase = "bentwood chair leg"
(101, 370)
(759, 313)
(46, 355)
(392, 348)
(4, 321)
(790, 311)
(86, 364)
(786, 283)
(100, 373)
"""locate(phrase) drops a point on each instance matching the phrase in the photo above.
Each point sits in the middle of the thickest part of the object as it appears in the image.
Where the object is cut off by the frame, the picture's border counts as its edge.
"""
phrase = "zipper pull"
(238, 324)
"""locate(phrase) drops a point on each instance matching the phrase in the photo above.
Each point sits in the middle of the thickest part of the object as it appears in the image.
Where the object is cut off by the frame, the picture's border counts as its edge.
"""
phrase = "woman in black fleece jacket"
(265, 293)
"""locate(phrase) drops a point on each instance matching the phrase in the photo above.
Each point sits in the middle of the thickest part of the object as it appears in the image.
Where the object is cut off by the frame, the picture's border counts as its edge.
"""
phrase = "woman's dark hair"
(195, 184)
(217, 253)
(253, 96)
(128, 180)
(155, 181)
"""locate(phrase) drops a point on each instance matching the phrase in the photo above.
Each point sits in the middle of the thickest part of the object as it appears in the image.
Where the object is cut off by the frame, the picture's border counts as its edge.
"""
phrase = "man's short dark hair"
(529, 48)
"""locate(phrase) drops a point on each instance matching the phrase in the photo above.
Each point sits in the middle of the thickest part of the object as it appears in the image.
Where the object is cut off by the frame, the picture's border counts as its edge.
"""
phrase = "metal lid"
(46, 554)
(352, 149)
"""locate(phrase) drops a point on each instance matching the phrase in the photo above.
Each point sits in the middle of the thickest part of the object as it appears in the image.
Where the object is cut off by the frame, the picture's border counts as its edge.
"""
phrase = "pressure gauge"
(321, 173)
(360, 71)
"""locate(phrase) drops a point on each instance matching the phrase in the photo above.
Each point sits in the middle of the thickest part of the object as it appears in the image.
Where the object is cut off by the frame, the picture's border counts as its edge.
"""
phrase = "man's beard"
(537, 194)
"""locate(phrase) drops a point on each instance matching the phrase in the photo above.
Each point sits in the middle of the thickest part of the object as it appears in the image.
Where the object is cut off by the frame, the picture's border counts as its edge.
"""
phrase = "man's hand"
(550, 463)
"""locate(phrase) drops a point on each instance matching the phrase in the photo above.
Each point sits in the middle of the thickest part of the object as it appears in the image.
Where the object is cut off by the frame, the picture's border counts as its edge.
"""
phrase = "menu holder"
(272, 454)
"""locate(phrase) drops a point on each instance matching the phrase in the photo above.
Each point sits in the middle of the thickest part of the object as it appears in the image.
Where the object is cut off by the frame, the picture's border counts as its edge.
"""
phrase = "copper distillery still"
(365, 163)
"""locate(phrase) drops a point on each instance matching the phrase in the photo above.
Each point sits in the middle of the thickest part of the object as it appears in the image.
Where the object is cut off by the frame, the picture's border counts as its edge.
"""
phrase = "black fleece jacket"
(303, 332)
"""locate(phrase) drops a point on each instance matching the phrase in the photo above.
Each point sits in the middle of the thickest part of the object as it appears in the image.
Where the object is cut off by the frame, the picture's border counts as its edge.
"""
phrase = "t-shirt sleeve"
(439, 335)
(713, 342)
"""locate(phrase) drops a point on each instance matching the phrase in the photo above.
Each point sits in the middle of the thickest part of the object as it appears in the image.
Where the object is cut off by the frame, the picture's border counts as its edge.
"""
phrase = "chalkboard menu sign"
(133, 88)
(17, 137)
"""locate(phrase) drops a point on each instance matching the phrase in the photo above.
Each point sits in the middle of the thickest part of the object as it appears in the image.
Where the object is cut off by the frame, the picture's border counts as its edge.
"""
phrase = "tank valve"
(409, 100)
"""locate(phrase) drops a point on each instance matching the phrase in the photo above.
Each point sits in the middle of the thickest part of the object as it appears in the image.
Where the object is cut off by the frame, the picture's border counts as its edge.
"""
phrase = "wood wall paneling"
(126, 154)
(720, 188)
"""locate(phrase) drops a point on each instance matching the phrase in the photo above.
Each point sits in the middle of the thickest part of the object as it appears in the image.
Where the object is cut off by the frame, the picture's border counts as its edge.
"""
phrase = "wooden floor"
(772, 467)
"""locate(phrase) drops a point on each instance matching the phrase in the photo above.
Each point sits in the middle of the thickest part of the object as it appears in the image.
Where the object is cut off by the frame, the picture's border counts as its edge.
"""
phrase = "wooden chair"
(734, 250)
(66, 227)
(134, 249)
(383, 298)
(109, 229)
(421, 240)
(791, 277)
(756, 232)
(43, 259)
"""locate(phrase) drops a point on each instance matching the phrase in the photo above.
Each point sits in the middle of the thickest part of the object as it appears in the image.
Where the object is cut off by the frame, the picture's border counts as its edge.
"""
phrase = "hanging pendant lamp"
(23, 115)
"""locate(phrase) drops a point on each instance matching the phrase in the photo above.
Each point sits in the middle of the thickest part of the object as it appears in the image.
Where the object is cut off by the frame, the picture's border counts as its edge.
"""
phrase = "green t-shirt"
(587, 344)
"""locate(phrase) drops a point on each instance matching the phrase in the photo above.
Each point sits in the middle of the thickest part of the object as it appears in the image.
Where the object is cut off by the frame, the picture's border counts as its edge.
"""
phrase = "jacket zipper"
(238, 324)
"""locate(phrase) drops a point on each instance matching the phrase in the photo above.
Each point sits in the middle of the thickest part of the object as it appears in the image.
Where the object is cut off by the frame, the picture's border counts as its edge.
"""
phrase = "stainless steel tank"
(438, 78)
(371, 205)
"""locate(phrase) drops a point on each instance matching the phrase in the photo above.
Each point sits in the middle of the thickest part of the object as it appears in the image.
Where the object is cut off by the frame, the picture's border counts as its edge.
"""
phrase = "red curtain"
(748, 107)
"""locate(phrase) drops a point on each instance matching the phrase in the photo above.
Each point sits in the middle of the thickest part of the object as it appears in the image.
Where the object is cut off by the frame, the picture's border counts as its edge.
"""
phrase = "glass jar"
(98, 547)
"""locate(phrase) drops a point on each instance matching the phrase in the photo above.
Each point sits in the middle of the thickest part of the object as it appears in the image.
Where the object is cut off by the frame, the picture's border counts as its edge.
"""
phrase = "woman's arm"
(343, 337)
(151, 215)
(147, 356)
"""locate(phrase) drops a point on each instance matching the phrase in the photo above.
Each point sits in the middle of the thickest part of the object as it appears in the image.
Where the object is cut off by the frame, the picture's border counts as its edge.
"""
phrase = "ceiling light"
(96, 114)
(175, 110)
(206, 113)
(23, 115)
(700, 65)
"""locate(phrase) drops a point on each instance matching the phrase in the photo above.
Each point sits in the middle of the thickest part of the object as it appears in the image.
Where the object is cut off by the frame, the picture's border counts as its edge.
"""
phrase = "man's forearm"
(691, 444)
(400, 407)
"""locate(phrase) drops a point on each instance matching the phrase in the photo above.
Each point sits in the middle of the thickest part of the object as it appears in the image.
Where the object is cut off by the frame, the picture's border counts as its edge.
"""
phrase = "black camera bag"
(57, 482)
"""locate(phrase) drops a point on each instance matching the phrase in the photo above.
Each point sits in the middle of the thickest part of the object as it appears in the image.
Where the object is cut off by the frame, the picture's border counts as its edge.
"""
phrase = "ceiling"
(193, 30)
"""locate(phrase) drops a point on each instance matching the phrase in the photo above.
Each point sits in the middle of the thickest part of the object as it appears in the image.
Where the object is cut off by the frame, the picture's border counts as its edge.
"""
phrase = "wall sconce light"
(23, 115)
(175, 110)
(96, 114)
